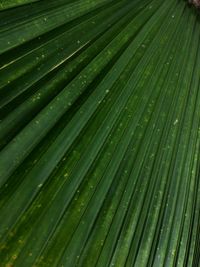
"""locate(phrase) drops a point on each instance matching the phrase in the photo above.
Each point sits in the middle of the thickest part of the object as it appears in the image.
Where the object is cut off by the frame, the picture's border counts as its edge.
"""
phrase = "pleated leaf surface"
(99, 133)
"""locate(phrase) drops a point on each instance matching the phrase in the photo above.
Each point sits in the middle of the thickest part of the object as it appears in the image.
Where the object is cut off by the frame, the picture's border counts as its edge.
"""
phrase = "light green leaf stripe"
(5, 4)
(99, 133)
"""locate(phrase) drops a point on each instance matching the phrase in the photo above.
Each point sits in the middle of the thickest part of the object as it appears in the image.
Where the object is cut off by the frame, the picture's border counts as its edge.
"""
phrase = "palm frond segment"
(99, 133)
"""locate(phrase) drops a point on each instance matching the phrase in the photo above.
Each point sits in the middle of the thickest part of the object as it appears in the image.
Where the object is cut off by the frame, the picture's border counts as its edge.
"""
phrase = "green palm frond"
(99, 133)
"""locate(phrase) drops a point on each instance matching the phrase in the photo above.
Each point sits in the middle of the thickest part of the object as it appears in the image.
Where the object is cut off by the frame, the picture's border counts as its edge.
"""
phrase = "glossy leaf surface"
(99, 133)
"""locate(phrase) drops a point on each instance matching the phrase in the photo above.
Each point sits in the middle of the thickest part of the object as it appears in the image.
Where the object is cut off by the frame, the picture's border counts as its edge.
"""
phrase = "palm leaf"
(99, 133)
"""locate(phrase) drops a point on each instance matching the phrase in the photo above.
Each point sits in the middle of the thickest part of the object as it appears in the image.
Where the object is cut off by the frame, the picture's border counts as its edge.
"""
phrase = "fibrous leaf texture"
(99, 133)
